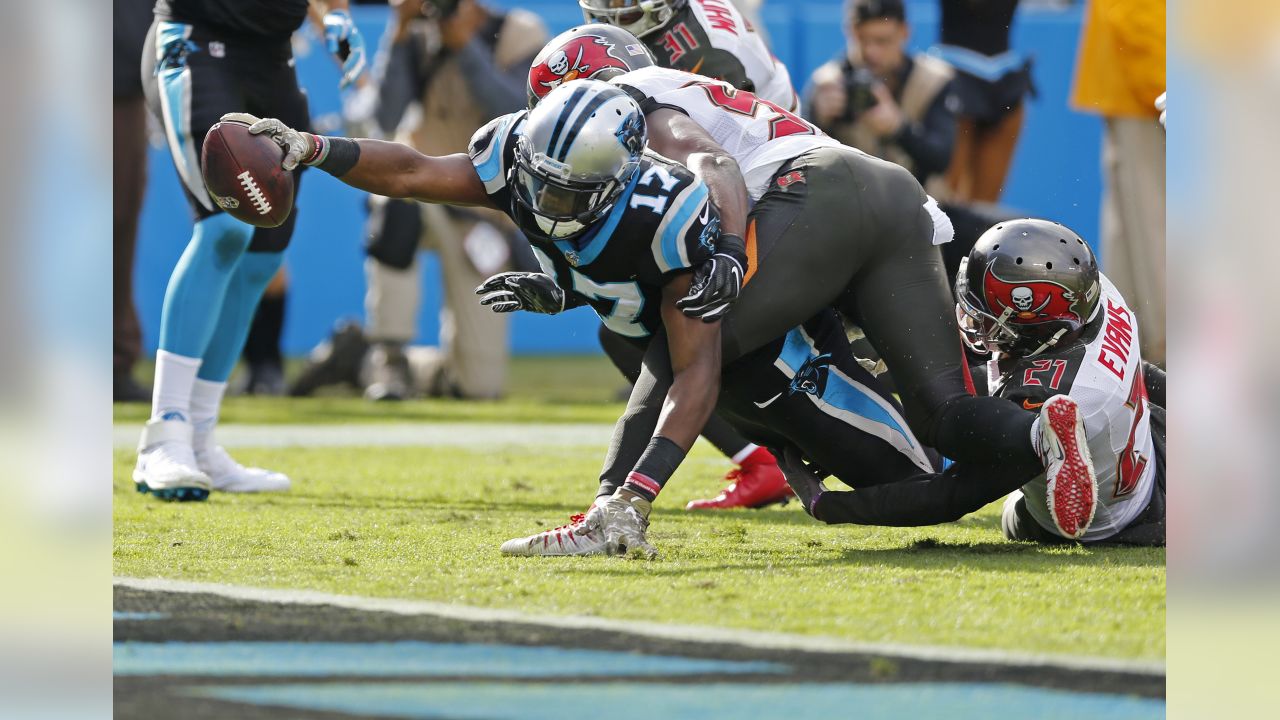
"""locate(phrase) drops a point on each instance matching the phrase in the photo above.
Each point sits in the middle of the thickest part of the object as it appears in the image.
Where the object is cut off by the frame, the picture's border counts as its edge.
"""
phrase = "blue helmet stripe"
(564, 116)
(592, 105)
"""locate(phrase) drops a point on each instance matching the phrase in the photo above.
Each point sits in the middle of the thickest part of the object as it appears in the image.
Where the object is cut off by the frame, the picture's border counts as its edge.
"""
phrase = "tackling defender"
(1030, 293)
(203, 58)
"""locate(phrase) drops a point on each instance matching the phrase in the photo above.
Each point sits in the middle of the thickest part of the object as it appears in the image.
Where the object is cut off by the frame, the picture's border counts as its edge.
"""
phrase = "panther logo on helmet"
(583, 57)
(1030, 302)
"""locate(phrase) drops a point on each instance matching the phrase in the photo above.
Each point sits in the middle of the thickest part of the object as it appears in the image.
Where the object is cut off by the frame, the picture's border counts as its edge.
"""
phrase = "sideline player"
(704, 37)
(1031, 294)
(757, 480)
(575, 169)
(204, 58)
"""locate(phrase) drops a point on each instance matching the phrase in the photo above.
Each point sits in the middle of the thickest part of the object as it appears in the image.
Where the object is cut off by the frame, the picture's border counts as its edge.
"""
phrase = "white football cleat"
(167, 465)
(1068, 466)
(227, 475)
(560, 541)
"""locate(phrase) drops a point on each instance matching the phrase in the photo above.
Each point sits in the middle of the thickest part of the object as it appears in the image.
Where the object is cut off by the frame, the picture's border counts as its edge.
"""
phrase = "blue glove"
(346, 43)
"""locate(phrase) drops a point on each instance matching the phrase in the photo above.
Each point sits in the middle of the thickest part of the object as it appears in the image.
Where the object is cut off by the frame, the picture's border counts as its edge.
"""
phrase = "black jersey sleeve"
(492, 150)
(689, 228)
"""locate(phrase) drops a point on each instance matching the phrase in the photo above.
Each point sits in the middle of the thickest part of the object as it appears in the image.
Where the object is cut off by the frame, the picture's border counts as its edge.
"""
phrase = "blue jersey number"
(627, 300)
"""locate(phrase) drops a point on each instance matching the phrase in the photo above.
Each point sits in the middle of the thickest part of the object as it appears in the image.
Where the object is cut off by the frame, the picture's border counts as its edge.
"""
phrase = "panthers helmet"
(638, 17)
(579, 148)
(1026, 286)
(597, 52)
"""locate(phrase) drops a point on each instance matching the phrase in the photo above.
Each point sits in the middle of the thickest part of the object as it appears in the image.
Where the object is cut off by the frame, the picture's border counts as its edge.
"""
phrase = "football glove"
(623, 520)
(805, 480)
(510, 291)
(346, 43)
(298, 147)
(717, 282)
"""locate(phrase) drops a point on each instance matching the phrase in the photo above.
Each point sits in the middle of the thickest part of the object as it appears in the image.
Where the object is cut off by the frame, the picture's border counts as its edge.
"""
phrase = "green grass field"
(425, 523)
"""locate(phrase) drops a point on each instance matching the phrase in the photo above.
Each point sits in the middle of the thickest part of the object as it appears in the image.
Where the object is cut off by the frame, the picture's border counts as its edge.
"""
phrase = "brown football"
(243, 175)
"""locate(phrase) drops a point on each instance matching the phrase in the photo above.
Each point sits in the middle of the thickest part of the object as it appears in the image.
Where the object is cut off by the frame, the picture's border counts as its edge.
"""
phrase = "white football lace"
(254, 192)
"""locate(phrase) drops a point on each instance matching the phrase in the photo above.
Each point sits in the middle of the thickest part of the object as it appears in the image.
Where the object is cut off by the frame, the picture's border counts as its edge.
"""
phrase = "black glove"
(805, 480)
(510, 291)
(717, 282)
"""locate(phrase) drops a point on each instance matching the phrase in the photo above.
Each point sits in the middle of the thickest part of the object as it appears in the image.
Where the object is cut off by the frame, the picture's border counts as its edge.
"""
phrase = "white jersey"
(1104, 376)
(760, 135)
(728, 31)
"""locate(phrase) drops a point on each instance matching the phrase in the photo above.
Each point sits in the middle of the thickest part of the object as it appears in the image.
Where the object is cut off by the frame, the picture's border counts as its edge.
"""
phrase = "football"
(243, 175)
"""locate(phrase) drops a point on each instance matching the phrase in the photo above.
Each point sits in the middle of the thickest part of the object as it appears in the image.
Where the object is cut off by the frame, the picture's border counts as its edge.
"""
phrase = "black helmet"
(1026, 286)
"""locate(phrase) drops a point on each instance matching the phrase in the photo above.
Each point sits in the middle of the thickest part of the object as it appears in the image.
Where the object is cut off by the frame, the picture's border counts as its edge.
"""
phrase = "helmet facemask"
(561, 206)
(638, 17)
(986, 333)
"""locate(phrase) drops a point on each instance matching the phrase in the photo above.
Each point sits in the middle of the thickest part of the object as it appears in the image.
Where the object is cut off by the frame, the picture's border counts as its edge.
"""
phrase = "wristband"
(335, 155)
(657, 464)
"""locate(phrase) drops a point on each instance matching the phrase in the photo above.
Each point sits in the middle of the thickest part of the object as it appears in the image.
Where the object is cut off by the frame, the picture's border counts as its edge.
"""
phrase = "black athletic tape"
(343, 155)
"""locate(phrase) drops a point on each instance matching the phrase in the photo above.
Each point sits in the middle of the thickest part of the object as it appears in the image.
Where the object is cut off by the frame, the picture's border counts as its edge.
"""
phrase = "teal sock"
(194, 298)
(245, 289)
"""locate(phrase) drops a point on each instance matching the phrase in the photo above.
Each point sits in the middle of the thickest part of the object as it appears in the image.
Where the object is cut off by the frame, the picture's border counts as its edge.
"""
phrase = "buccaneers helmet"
(598, 52)
(638, 17)
(1026, 286)
(579, 149)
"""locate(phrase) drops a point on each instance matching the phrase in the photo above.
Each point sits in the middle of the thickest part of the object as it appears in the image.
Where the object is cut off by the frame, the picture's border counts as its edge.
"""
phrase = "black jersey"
(662, 223)
(246, 19)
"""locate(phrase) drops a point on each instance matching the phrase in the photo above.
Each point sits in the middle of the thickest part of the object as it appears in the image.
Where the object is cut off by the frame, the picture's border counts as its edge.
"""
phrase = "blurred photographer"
(882, 101)
(446, 67)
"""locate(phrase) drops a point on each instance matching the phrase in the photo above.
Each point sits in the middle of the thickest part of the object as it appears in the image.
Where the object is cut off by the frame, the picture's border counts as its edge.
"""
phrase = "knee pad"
(224, 238)
(276, 239)
(394, 231)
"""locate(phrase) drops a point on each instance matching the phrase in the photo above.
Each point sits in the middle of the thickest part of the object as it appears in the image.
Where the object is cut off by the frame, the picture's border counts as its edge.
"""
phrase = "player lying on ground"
(1031, 294)
(590, 49)
(830, 227)
(623, 229)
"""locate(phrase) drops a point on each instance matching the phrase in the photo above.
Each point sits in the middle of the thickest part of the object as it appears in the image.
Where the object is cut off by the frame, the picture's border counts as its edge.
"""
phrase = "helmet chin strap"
(1048, 343)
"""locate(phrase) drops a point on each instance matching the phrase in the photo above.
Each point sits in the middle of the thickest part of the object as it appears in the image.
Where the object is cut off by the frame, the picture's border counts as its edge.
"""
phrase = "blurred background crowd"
(1002, 108)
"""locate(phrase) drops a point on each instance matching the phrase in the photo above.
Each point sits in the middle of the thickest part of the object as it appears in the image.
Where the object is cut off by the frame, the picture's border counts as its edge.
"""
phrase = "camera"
(858, 85)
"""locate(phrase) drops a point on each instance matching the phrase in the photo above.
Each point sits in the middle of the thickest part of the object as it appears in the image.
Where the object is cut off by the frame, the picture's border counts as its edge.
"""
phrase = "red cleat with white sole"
(757, 483)
(563, 540)
(1068, 466)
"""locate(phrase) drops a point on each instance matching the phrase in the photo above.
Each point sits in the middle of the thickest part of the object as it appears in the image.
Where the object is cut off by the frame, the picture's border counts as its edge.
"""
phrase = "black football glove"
(510, 291)
(717, 282)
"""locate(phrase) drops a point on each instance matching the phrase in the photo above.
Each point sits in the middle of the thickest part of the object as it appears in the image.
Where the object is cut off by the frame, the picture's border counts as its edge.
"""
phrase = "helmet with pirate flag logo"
(596, 52)
(578, 150)
(1027, 285)
(640, 17)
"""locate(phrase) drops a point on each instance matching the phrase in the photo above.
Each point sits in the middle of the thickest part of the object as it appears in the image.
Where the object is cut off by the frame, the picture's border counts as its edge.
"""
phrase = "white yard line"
(467, 435)
(685, 633)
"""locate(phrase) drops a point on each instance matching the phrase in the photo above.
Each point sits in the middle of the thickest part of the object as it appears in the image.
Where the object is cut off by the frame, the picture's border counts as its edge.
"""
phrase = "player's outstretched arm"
(383, 168)
(694, 347)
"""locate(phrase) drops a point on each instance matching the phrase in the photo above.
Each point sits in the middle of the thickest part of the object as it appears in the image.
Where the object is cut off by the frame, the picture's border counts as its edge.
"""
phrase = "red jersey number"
(1131, 463)
(782, 124)
(1029, 378)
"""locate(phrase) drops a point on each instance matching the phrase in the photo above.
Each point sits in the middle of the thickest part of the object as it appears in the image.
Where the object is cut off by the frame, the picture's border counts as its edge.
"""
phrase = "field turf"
(425, 523)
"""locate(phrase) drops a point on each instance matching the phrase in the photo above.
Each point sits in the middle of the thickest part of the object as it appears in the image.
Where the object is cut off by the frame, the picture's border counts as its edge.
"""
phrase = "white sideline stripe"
(683, 633)
(466, 435)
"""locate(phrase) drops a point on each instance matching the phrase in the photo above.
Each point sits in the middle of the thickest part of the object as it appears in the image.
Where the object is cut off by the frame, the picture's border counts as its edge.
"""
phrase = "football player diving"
(680, 35)
(646, 217)
(1031, 295)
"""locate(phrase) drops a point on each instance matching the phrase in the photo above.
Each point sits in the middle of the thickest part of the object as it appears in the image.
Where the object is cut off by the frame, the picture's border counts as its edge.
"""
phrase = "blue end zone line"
(673, 632)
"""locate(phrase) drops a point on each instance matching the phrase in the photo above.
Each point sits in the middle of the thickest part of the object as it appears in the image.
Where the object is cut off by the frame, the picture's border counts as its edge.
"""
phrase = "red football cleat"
(1071, 482)
(757, 483)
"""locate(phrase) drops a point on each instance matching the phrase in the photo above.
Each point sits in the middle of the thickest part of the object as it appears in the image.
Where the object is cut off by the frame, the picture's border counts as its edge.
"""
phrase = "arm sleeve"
(687, 235)
(930, 141)
(923, 500)
(498, 90)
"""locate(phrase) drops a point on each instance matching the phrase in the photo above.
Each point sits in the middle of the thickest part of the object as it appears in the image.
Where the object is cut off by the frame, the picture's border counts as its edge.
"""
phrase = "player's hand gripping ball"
(243, 173)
